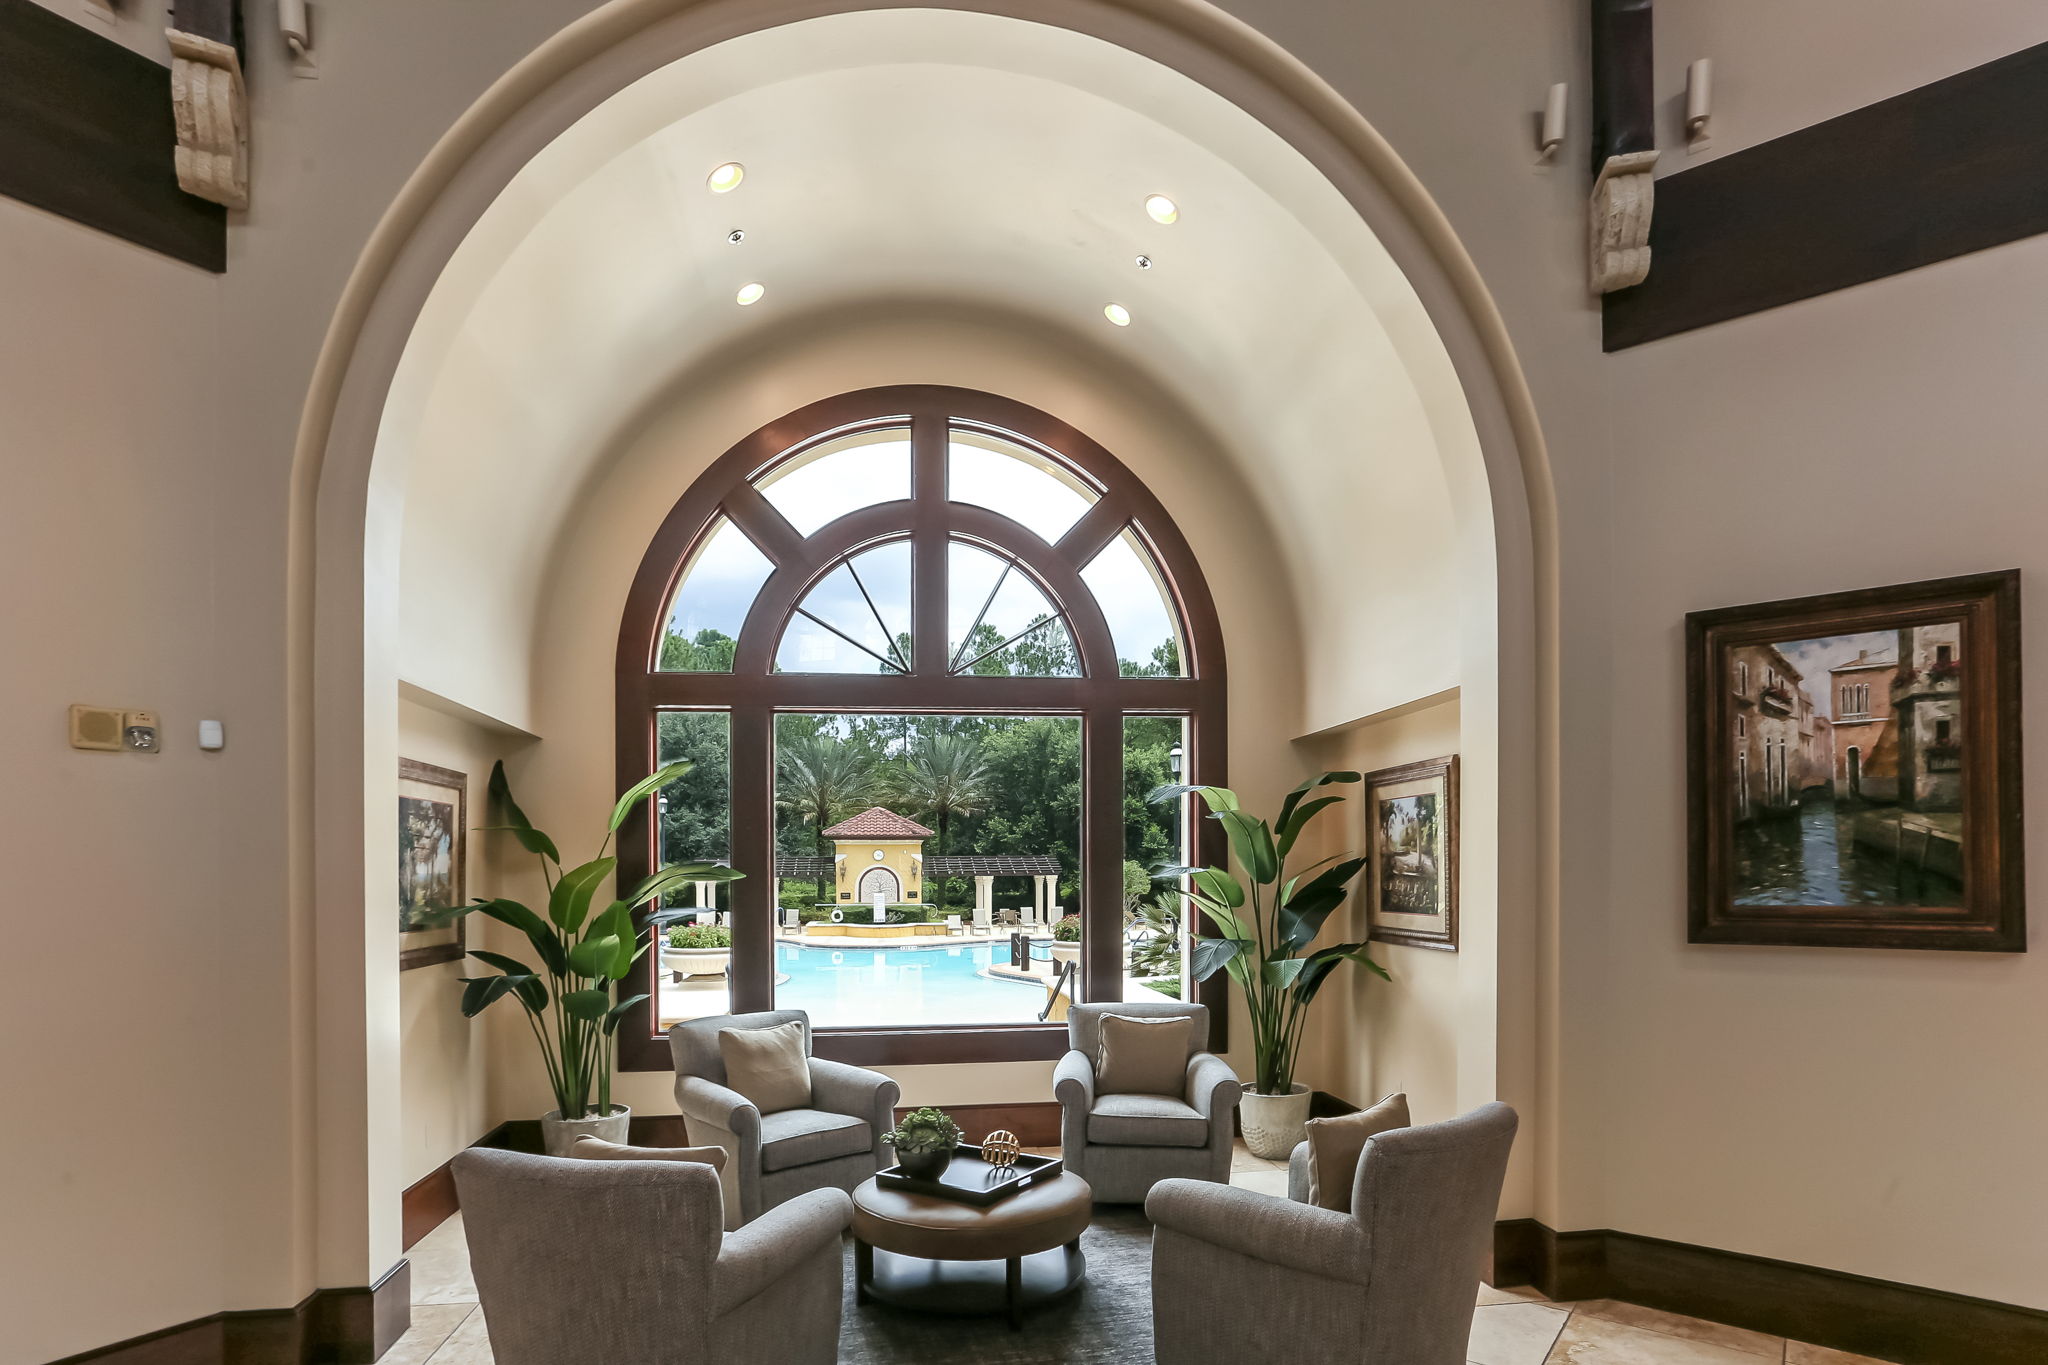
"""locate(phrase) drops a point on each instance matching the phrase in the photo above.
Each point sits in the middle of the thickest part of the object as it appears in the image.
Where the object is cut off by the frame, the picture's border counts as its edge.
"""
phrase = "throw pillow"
(588, 1148)
(1335, 1147)
(1142, 1056)
(768, 1066)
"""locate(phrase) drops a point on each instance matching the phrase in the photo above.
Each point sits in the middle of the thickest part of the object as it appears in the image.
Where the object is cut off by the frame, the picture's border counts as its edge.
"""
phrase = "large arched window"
(928, 649)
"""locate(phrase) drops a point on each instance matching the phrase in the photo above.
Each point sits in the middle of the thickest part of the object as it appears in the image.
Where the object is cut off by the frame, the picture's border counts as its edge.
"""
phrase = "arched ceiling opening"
(912, 159)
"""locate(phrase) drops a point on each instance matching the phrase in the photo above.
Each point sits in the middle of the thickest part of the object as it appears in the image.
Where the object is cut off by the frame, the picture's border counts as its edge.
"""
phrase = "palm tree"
(942, 776)
(818, 777)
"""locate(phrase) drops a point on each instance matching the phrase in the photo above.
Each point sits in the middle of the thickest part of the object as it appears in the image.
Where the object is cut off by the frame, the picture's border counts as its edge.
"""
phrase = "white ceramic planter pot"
(1274, 1124)
(696, 961)
(557, 1133)
(1066, 952)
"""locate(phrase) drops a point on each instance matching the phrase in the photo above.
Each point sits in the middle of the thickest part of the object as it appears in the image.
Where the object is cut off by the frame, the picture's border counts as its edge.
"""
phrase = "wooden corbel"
(1624, 145)
(209, 101)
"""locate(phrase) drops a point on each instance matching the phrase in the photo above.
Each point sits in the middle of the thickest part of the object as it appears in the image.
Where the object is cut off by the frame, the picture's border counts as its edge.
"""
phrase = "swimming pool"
(935, 985)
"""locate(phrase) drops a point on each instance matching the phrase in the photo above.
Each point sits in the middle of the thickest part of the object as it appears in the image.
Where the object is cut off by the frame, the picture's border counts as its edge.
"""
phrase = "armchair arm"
(1297, 1236)
(1073, 1083)
(855, 1091)
(1213, 1088)
(758, 1255)
(710, 1103)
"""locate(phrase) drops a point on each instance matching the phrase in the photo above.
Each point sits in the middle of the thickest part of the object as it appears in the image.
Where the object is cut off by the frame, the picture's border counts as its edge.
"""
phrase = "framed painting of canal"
(1854, 766)
(433, 850)
(1411, 871)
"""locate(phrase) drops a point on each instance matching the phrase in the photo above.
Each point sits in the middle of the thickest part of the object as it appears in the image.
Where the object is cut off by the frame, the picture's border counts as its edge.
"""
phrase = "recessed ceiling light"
(728, 177)
(750, 293)
(1162, 209)
(1117, 314)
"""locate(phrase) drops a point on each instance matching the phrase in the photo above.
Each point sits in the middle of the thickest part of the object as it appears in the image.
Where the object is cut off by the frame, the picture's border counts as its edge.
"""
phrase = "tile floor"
(1509, 1327)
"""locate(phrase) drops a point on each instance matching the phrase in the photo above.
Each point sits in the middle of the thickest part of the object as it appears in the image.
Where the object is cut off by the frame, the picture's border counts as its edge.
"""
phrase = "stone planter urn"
(558, 1134)
(1274, 1124)
(1065, 952)
(696, 961)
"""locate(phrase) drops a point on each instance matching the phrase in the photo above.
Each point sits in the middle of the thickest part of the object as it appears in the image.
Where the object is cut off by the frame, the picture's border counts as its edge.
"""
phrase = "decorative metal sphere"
(1001, 1147)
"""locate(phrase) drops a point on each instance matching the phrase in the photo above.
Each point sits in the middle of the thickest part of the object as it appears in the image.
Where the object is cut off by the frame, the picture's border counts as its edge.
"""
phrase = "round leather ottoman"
(941, 1256)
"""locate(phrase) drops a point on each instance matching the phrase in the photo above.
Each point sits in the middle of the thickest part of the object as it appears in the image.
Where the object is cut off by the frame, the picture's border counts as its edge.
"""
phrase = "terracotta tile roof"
(877, 823)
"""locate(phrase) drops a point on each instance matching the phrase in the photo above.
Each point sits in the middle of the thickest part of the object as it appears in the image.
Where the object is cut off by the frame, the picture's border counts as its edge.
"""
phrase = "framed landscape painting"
(433, 850)
(1411, 872)
(1854, 765)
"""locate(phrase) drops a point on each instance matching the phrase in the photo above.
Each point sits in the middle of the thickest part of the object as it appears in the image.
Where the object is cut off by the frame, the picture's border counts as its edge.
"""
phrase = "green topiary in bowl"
(1067, 930)
(924, 1142)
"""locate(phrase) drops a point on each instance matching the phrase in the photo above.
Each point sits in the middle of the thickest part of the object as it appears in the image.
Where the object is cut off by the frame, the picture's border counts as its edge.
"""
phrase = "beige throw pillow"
(588, 1148)
(1335, 1147)
(1142, 1056)
(768, 1066)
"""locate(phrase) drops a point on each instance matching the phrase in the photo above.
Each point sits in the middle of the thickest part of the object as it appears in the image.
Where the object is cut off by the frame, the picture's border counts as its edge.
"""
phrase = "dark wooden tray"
(968, 1179)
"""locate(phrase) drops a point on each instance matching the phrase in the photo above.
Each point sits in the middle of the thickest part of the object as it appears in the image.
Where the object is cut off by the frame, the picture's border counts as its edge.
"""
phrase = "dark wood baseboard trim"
(1950, 168)
(426, 1204)
(327, 1327)
(1853, 1313)
(1036, 1123)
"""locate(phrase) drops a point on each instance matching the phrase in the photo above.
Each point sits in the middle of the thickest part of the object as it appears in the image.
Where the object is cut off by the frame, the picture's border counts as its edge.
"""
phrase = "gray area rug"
(1109, 1319)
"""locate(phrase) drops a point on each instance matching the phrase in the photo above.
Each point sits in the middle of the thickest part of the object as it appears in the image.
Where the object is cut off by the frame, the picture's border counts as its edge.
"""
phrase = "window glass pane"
(1155, 928)
(711, 602)
(1023, 485)
(1132, 595)
(1001, 623)
(693, 817)
(965, 830)
(857, 618)
(837, 477)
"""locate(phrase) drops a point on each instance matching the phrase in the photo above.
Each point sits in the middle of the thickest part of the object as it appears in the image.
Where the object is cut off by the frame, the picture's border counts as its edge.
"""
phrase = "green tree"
(942, 778)
(820, 777)
(709, 652)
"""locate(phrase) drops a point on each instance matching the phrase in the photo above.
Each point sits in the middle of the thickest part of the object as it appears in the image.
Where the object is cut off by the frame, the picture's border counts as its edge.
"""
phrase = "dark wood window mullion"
(929, 437)
(1102, 854)
(753, 852)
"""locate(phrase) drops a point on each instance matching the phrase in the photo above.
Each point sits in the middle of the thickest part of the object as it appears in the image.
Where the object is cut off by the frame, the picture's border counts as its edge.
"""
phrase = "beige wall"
(1414, 1034)
(1690, 1088)
(137, 956)
(444, 1103)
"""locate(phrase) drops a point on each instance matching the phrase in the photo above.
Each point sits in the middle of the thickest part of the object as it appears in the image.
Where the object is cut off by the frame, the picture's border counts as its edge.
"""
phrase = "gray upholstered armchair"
(1391, 1283)
(624, 1263)
(834, 1144)
(1123, 1144)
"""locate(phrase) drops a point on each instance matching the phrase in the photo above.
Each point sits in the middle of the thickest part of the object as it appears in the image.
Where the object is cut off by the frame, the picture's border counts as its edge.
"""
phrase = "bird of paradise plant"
(569, 1001)
(1268, 918)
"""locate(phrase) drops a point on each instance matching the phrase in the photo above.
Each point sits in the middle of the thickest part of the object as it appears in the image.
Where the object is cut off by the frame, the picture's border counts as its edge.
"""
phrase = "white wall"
(1884, 1106)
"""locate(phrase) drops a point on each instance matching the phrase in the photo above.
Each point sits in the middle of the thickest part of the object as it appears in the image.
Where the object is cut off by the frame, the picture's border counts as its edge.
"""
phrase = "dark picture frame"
(1392, 797)
(442, 796)
(1921, 850)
